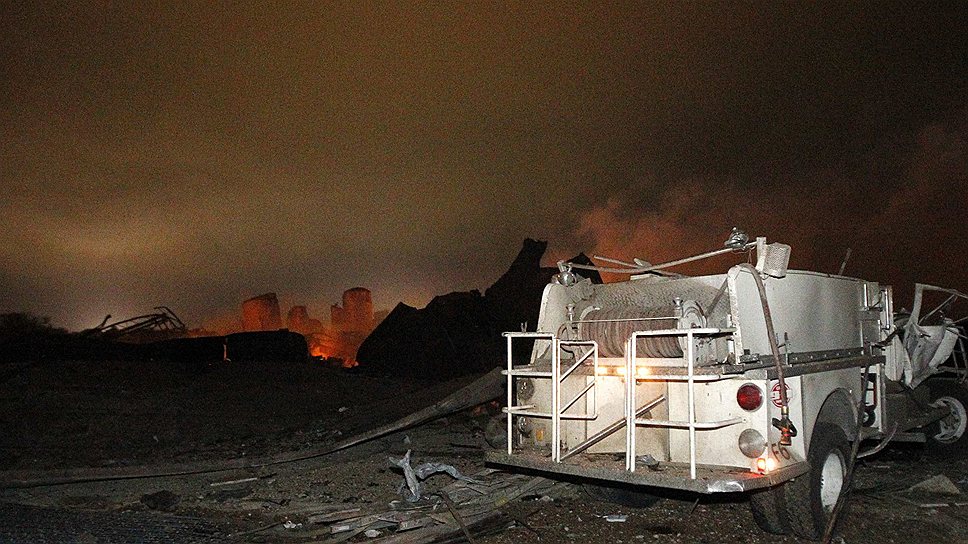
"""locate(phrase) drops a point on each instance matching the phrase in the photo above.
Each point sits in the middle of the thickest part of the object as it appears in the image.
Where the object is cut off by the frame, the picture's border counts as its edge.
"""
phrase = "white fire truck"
(757, 381)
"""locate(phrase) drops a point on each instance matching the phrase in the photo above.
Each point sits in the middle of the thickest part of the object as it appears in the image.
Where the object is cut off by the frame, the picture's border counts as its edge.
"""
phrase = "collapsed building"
(350, 324)
(460, 332)
(298, 320)
(457, 333)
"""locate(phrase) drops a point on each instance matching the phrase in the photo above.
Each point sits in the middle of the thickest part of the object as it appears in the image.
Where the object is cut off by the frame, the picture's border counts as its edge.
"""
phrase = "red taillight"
(749, 397)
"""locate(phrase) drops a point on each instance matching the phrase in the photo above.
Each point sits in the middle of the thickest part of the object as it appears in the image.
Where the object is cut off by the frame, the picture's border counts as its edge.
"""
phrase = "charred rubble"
(455, 334)
(146, 338)
(460, 333)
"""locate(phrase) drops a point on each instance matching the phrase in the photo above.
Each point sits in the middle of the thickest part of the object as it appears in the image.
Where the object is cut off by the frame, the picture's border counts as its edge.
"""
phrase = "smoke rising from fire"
(914, 210)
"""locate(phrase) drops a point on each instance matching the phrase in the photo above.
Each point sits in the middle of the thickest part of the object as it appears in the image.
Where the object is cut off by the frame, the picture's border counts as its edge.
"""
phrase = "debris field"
(255, 442)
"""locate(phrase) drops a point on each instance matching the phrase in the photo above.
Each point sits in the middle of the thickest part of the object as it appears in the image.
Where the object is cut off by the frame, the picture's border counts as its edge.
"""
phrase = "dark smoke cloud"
(905, 227)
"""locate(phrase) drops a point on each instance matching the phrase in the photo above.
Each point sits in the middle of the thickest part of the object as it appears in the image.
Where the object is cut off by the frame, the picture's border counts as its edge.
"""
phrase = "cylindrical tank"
(261, 313)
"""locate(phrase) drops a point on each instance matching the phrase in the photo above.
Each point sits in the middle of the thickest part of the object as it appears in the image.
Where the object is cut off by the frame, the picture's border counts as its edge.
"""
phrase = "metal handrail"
(557, 378)
(705, 425)
(557, 412)
(511, 373)
(583, 358)
(631, 420)
(578, 396)
(607, 431)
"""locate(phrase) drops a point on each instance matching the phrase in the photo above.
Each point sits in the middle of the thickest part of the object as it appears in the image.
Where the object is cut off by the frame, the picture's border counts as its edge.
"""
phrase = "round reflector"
(749, 397)
(751, 443)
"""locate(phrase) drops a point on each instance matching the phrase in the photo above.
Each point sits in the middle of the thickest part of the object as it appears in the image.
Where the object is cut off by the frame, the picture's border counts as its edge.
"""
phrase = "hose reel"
(612, 327)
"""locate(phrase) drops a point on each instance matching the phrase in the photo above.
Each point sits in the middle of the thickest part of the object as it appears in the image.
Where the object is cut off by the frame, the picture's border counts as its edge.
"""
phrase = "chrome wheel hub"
(952, 426)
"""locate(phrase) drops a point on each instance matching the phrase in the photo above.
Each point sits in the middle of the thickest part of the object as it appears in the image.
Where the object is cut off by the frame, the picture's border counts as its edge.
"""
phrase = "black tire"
(495, 432)
(947, 437)
(631, 496)
(809, 500)
(769, 510)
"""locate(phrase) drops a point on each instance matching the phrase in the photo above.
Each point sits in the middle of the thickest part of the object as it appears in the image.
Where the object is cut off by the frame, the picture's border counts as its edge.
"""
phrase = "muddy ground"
(97, 414)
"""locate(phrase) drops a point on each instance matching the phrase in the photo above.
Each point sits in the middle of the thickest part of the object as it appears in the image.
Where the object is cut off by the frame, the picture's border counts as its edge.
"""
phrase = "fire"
(327, 346)
(336, 343)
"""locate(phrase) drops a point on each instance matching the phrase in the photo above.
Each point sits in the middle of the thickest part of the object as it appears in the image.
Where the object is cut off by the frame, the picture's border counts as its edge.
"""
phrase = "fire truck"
(760, 380)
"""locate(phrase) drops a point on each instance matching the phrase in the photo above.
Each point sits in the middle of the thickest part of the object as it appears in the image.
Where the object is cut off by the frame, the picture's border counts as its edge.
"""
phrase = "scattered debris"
(466, 508)
(616, 518)
(164, 501)
(232, 482)
(648, 461)
(226, 493)
(481, 390)
(289, 524)
(939, 484)
(161, 325)
(411, 488)
(943, 504)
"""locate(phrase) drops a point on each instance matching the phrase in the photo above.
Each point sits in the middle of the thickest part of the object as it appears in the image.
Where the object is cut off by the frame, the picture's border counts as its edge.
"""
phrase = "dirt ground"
(77, 414)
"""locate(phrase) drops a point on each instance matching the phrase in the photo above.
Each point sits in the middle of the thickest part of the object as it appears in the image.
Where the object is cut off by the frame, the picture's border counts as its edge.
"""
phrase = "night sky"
(195, 155)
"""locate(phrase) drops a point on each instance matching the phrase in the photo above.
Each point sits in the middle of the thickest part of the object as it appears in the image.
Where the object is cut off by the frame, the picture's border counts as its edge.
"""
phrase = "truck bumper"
(709, 479)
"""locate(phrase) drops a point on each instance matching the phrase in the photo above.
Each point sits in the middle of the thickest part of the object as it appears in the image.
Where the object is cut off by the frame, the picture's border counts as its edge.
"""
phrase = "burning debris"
(350, 324)
(298, 320)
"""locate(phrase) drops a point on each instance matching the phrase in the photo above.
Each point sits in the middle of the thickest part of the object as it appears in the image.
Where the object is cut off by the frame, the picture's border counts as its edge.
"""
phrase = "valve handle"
(787, 430)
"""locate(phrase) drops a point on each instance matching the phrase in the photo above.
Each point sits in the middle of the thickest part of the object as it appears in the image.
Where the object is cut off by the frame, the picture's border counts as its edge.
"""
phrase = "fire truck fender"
(839, 409)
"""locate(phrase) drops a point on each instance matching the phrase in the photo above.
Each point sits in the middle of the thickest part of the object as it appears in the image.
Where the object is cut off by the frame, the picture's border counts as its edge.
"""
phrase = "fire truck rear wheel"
(810, 499)
(947, 436)
(631, 496)
(768, 508)
(495, 432)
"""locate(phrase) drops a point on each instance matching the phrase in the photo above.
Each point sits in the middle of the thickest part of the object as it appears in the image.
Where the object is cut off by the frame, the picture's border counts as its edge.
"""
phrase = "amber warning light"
(765, 465)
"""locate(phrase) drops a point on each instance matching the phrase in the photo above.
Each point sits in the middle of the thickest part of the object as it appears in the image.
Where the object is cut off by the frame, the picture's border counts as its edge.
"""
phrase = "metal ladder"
(557, 377)
(632, 420)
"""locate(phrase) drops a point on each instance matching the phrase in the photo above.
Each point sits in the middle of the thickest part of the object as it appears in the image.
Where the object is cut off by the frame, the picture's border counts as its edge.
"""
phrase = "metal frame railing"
(632, 414)
(557, 377)
(632, 420)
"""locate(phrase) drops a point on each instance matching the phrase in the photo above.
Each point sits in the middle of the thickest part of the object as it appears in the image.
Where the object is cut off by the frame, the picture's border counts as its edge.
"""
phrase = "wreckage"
(759, 380)
(160, 325)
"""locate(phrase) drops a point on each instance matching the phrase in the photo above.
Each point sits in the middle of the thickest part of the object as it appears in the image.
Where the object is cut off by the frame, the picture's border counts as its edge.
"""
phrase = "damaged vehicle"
(759, 380)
